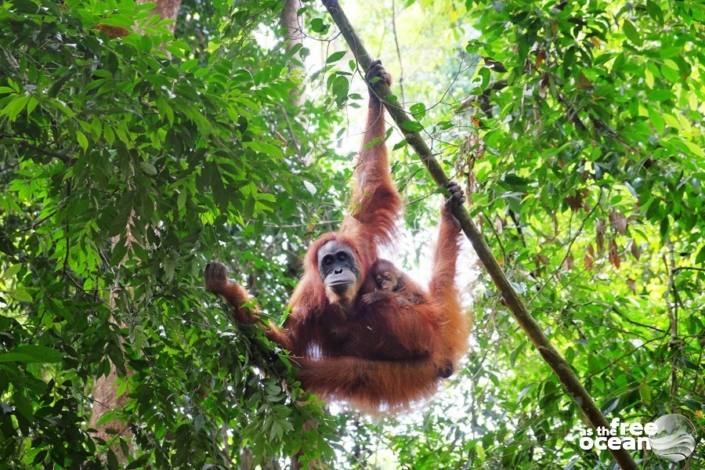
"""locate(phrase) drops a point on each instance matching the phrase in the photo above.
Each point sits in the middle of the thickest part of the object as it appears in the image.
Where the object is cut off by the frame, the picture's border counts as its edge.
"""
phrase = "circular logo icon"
(673, 439)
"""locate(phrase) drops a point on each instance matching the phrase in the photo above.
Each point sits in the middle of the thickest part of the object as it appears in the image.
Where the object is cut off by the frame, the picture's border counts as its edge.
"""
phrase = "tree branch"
(552, 357)
(396, 43)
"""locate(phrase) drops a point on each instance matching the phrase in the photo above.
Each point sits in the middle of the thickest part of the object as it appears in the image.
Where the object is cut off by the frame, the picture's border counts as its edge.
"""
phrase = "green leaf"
(654, 11)
(660, 94)
(485, 75)
(631, 33)
(700, 258)
(11, 271)
(401, 144)
(82, 140)
(15, 106)
(96, 128)
(109, 416)
(336, 56)
(645, 392)
(165, 110)
(340, 87)
(148, 168)
(319, 26)
(664, 227)
(120, 130)
(649, 78)
(516, 180)
(670, 70)
(21, 294)
(693, 147)
(411, 126)
(260, 208)
(109, 134)
(23, 405)
(265, 197)
(33, 102)
(112, 460)
(265, 148)
(31, 353)
(139, 462)
(418, 110)
(657, 120)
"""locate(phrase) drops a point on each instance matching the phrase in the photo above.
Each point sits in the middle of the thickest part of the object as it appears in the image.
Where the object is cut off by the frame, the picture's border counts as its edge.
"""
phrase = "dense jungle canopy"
(138, 144)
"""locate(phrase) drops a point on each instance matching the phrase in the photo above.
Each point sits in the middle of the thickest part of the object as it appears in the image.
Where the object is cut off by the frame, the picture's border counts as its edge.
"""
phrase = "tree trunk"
(293, 37)
(105, 399)
(166, 9)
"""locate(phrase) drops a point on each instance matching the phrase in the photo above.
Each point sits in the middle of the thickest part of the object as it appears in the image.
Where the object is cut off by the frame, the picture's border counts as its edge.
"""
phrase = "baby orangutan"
(387, 282)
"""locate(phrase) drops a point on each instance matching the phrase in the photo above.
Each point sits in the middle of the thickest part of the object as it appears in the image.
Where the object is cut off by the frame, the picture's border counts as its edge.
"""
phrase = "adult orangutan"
(378, 355)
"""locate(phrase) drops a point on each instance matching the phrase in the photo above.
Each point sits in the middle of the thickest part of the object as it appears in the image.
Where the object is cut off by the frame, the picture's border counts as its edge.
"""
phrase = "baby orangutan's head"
(386, 275)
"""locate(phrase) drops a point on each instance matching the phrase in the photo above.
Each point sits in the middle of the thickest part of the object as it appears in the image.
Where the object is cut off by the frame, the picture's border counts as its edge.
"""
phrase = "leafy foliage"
(126, 163)
(577, 128)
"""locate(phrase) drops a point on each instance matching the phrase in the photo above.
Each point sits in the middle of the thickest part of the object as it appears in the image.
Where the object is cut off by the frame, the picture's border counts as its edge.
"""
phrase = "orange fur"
(386, 282)
(377, 356)
(217, 282)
